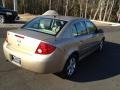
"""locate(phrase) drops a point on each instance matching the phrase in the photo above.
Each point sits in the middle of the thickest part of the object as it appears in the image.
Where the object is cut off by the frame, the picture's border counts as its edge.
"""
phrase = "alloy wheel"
(101, 46)
(71, 66)
(1, 19)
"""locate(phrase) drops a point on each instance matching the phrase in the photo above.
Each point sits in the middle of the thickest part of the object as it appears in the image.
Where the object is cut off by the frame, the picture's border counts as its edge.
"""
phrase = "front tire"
(101, 46)
(2, 19)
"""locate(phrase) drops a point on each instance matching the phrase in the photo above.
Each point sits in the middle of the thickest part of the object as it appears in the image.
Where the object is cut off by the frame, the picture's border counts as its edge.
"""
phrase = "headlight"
(8, 13)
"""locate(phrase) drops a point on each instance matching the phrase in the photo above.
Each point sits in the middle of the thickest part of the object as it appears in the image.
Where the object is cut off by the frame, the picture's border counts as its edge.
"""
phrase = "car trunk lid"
(25, 40)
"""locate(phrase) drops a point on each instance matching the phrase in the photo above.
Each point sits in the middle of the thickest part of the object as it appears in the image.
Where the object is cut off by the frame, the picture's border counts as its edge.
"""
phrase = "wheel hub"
(101, 45)
(1, 19)
(71, 67)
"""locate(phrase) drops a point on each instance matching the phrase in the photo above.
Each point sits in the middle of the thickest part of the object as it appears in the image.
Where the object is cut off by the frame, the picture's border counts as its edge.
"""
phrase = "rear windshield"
(45, 25)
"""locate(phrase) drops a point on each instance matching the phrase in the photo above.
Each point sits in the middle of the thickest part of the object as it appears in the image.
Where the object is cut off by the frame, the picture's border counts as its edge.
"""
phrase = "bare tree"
(50, 4)
(3, 3)
(106, 9)
(102, 4)
(58, 4)
(71, 6)
(92, 8)
(97, 10)
(80, 6)
(66, 7)
(118, 13)
(111, 9)
(23, 2)
(15, 5)
(91, 11)
(86, 7)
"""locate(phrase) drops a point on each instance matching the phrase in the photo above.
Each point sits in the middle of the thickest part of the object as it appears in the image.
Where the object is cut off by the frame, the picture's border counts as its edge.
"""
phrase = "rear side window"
(91, 27)
(81, 29)
(45, 25)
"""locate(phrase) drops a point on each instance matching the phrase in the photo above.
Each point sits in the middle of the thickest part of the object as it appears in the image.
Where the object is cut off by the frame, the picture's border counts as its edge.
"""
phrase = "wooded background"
(104, 10)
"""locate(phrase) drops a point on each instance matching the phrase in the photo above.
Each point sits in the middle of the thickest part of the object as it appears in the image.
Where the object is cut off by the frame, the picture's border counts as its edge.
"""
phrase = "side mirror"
(99, 31)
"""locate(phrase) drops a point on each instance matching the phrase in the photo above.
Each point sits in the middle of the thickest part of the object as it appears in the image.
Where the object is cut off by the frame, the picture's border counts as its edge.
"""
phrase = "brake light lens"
(45, 48)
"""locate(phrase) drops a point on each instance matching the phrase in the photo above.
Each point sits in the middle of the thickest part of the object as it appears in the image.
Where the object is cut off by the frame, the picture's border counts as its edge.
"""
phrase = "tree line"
(104, 10)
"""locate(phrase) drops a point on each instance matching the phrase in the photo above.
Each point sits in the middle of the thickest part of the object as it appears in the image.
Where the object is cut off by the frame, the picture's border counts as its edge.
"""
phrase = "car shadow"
(99, 66)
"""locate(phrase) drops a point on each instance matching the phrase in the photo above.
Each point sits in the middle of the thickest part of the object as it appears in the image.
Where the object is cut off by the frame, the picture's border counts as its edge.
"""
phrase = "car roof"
(65, 18)
(54, 15)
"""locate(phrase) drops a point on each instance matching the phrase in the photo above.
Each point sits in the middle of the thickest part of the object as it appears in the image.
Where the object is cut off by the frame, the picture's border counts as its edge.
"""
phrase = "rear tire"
(2, 19)
(70, 67)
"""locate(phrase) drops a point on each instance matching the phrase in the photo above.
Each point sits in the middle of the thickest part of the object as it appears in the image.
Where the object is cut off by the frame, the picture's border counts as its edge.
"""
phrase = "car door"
(94, 37)
(82, 37)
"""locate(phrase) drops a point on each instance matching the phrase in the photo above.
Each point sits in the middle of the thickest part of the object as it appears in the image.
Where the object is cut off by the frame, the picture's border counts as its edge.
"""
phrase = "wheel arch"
(68, 56)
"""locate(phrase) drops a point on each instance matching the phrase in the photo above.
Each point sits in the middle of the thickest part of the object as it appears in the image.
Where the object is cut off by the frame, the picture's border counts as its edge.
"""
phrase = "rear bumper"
(37, 63)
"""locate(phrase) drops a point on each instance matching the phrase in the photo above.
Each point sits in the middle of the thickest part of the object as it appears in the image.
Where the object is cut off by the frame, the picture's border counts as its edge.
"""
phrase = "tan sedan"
(50, 44)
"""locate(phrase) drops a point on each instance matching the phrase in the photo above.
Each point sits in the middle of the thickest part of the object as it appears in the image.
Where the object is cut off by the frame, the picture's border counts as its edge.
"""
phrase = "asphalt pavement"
(99, 71)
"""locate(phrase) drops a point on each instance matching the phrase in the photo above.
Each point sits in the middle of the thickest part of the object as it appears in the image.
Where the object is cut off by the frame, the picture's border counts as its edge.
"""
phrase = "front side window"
(74, 30)
(81, 29)
(45, 25)
(91, 27)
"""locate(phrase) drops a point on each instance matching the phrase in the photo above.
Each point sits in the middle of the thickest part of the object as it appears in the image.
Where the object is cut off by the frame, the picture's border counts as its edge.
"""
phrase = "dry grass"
(27, 17)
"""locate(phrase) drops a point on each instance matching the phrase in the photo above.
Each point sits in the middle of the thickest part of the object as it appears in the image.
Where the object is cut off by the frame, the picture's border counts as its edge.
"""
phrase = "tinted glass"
(91, 27)
(74, 31)
(45, 25)
(81, 29)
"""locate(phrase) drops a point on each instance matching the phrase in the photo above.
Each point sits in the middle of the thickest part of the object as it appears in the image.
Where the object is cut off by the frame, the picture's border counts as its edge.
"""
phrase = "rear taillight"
(45, 48)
